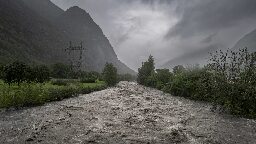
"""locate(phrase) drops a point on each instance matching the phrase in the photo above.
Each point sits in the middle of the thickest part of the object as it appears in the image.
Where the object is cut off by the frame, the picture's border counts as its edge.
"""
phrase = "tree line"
(228, 80)
(19, 72)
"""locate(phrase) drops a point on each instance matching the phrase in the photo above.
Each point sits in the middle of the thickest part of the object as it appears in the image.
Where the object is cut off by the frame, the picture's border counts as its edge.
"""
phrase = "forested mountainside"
(37, 31)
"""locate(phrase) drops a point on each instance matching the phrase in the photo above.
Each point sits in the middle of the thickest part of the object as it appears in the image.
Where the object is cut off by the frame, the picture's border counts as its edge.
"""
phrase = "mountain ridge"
(196, 57)
(249, 41)
(42, 31)
(199, 57)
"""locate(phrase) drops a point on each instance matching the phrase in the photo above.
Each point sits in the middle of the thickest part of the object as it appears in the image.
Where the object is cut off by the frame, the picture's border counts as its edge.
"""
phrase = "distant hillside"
(37, 31)
(200, 56)
(248, 41)
(196, 57)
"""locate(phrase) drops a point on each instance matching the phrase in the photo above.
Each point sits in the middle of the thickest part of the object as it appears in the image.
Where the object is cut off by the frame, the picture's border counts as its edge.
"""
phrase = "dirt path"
(128, 113)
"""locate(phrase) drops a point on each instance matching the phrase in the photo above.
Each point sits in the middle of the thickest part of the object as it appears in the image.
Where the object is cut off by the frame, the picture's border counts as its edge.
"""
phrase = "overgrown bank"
(32, 94)
(23, 85)
(228, 80)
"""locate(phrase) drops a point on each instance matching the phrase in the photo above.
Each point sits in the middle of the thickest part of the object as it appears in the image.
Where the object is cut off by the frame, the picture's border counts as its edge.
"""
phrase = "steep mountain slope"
(44, 8)
(81, 28)
(248, 41)
(38, 31)
(26, 36)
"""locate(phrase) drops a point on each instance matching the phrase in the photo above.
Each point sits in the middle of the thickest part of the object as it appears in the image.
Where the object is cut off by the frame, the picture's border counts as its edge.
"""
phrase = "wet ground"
(128, 113)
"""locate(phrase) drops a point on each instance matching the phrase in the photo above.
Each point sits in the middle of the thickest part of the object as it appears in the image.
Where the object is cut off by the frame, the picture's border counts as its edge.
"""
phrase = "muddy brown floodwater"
(128, 113)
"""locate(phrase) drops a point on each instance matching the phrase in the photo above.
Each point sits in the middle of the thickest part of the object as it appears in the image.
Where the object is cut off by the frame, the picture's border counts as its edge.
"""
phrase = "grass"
(34, 94)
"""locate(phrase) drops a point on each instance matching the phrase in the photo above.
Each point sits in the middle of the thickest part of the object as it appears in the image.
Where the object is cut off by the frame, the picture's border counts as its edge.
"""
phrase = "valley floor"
(128, 113)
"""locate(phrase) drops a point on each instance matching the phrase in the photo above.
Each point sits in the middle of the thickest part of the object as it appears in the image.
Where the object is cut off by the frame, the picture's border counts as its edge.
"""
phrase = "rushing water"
(128, 113)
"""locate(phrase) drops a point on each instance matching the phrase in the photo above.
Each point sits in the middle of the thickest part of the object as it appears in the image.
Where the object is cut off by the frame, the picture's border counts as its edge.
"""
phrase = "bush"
(16, 72)
(38, 74)
(32, 94)
(19, 72)
(25, 95)
(110, 74)
(178, 69)
(56, 94)
(60, 82)
(151, 81)
(42, 74)
(229, 80)
(60, 70)
(89, 77)
(163, 77)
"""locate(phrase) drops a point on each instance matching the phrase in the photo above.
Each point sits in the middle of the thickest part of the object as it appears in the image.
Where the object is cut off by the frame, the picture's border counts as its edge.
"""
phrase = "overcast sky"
(168, 28)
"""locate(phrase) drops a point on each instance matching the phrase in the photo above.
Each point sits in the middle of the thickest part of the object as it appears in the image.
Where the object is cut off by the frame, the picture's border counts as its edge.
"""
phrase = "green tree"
(110, 74)
(163, 77)
(178, 69)
(147, 69)
(89, 77)
(15, 73)
(41, 74)
(151, 80)
(60, 70)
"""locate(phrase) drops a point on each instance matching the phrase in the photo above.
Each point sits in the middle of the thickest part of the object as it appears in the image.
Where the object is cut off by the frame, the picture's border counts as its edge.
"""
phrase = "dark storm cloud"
(168, 28)
(152, 2)
(209, 38)
(212, 15)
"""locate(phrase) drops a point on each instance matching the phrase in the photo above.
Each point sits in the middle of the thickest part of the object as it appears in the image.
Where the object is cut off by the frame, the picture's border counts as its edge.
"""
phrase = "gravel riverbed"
(129, 114)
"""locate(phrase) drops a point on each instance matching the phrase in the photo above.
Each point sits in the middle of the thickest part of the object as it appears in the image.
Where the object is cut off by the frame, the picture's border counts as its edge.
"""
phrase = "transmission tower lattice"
(75, 56)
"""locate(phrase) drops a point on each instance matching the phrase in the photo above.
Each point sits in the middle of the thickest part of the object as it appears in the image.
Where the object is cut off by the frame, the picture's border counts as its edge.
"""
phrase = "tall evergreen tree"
(147, 69)
(110, 74)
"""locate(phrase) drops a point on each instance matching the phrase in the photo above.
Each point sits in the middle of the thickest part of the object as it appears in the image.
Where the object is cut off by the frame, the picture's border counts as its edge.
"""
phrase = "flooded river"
(129, 114)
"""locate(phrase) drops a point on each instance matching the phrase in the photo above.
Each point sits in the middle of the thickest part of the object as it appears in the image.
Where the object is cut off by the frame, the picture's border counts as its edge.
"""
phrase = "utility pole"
(75, 56)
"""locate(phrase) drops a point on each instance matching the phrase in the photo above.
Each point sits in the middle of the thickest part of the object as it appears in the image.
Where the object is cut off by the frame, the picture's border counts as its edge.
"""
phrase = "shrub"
(38, 74)
(42, 74)
(25, 95)
(151, 81)
(178, 69)
(19, 72)
(56, 94)
(235, 80)
(60, 82)
(32, 94)
(110, 74)
(229, 80)
(60, 70)
(163, 77)
(15, 73)
(89, 77)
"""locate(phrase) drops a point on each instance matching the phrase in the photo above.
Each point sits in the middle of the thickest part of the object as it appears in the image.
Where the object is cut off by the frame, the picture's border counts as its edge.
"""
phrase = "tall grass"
(32, 94)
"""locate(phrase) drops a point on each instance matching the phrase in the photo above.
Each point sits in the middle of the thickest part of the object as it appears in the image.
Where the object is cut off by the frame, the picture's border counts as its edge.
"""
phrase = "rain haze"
(128, 71)
(168, 29)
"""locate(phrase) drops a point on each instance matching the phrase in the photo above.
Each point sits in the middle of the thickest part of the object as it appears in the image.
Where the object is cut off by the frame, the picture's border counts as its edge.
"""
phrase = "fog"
(168, 29)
